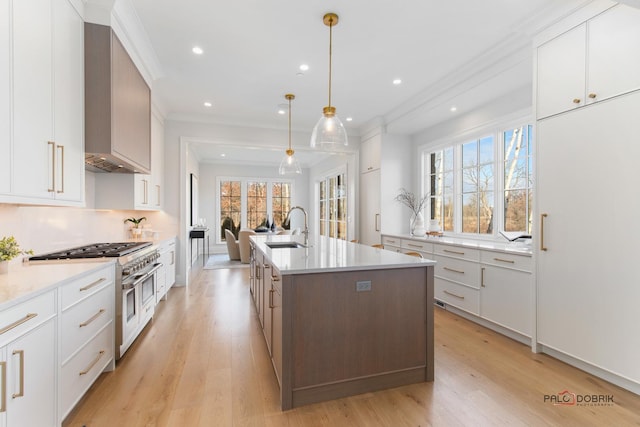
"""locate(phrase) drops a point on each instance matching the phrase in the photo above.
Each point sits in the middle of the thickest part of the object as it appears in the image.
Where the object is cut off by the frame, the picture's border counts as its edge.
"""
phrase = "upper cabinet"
(42, 122)
(118, 105)
(370, 153)
(580, 67)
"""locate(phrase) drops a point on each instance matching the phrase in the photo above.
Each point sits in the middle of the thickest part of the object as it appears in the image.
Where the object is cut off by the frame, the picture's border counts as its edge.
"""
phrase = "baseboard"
(594, 370)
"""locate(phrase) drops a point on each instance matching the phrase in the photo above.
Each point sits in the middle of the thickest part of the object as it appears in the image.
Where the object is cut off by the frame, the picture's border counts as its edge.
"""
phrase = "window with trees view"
(250, 202)
(333, 206)
(464, 179)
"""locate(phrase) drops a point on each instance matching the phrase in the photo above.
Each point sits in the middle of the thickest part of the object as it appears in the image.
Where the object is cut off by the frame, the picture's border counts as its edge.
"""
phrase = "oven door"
(130, 316)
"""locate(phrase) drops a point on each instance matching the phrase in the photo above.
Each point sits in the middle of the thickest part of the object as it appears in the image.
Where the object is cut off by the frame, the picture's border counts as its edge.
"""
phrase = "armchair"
(245, 252)
(232, 245)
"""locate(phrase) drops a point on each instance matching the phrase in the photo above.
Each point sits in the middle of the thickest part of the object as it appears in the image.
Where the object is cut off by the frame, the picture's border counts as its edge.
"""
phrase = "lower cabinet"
(276, 324)
(267, 299)
(27, 366)
(166, 275)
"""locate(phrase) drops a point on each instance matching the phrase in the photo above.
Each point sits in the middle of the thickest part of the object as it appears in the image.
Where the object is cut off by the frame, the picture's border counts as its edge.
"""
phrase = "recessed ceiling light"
(222, 155)
(349, 119)
(304, 67)
(453, 109)
(197, 50)
(397, 82)
(207, 104)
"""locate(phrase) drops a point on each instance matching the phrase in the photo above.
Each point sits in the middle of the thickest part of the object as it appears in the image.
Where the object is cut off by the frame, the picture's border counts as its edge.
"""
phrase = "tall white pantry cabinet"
(587, 109)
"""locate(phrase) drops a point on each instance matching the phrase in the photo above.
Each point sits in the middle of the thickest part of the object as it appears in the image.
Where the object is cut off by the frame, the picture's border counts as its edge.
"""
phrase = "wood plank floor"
(203, 362)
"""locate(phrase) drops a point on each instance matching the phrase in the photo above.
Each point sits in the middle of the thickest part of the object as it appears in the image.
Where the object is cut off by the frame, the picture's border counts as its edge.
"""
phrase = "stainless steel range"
(136, 283)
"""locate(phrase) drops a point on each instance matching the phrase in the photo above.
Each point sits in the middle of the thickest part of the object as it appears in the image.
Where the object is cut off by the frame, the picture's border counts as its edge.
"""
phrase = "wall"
(396, 172)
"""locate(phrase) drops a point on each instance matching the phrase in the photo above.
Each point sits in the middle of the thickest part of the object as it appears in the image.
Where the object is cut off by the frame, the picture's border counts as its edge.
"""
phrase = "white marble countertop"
(26, 280)
(508, 247)
(325, 254)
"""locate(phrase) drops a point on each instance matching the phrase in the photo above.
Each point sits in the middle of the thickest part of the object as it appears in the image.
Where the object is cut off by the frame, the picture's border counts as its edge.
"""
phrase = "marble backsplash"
(46, 228)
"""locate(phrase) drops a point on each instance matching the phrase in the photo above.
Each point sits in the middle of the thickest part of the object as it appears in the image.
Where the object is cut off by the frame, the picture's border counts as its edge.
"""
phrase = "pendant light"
(329, 132)
(289, 164)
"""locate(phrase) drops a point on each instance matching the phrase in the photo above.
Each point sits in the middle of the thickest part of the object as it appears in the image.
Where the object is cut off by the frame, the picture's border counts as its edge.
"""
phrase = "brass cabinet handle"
(3, 403)
(266, 265)
(53, 166)
(482, 277)
(146, 191)
(455, 271)
(592, 95)
(510, 261)
(92, 284)
(452, 252)
(92, 318)
(93, 363)
(542, 246)
(369, 168)
(17, 323)
(271, 299)
(576, 100)
(275, 279)
(61, 148)
(414, 246)
(21, 393)
(376, 220)
(453, 295)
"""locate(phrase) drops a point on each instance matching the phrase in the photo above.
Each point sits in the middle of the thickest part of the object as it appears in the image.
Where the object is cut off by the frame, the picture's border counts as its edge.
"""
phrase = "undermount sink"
(284, 245)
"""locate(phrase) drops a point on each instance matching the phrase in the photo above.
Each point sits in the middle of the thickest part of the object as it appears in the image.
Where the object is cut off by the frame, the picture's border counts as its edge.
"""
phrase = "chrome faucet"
(306, 226)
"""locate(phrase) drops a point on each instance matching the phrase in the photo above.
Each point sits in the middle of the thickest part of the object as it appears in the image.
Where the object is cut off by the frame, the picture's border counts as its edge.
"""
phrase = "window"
(256, 204)
(518, 179)
(230, 207)
(441, 187)
(333, 206)
(280, 201)
(247, 202)
(479, 186)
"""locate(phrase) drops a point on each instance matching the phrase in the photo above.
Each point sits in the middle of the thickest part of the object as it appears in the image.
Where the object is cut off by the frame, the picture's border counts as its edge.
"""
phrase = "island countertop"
(325, 254)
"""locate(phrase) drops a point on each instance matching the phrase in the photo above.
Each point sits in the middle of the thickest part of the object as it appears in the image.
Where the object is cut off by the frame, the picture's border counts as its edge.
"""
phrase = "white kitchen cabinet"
(589, 63)
(47, 156)
(370, 207)
(28, 363)
(506, 296)
(87, 337)
(587, 275)
(370, 150)
(166, 275)
(156, 189)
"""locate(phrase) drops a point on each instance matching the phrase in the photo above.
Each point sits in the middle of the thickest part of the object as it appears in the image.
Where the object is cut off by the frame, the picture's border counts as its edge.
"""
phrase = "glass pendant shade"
(329, 132)
(289, 165)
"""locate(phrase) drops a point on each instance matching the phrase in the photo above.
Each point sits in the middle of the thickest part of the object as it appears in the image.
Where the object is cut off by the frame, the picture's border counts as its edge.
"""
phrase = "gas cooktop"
(96, 250)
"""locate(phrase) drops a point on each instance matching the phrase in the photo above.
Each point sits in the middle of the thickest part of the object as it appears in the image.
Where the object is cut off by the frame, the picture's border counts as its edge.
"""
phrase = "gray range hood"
(117, 106)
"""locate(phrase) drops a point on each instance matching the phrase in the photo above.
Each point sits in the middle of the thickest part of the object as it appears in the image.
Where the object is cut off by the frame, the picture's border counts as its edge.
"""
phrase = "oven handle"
(143, 278)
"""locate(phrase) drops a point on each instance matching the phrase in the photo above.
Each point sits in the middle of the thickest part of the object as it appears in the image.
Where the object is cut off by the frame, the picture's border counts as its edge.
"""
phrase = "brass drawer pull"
(510, 261)
(94, 317)
(96, 360)
(482, 277)
(18, 323)
(455, 271)
(576, 100)
(542, 246)
(414, 246)
(271, 299)
(453, 295)
(453, 252)
(91, 285)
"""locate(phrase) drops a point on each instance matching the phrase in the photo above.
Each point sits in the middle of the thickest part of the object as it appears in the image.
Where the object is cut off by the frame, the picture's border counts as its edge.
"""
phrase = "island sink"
(284, 245)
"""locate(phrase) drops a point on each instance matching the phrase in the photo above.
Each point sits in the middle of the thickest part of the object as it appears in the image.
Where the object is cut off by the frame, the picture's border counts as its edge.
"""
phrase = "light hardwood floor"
(203, 362)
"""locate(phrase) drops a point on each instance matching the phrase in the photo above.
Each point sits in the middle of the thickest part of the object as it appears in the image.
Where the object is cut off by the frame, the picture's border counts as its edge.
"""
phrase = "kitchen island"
(341, 318)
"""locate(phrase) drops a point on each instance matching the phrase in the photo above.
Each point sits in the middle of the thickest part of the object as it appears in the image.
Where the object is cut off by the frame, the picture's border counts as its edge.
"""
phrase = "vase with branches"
(416, 204)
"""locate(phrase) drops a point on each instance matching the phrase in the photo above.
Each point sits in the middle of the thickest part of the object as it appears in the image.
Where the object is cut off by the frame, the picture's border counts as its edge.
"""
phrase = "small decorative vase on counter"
(417, 225)
(4, 267)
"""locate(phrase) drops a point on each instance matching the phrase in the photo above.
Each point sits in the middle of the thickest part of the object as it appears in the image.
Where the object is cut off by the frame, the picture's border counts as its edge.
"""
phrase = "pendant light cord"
(330, 54)
(289, 124)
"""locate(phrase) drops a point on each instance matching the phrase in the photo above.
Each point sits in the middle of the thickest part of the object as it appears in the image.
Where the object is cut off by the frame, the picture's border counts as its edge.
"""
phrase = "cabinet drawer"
(458, 270)
(82, 321)
(87, 285)
(23, 317)
(82, 370)
(501, 259)
(391, 241)
(457, 252)
(462, 297)
(416, 245)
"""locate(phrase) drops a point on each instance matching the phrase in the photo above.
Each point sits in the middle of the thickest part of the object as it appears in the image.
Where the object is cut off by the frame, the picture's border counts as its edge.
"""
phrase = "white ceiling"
(445, 52)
